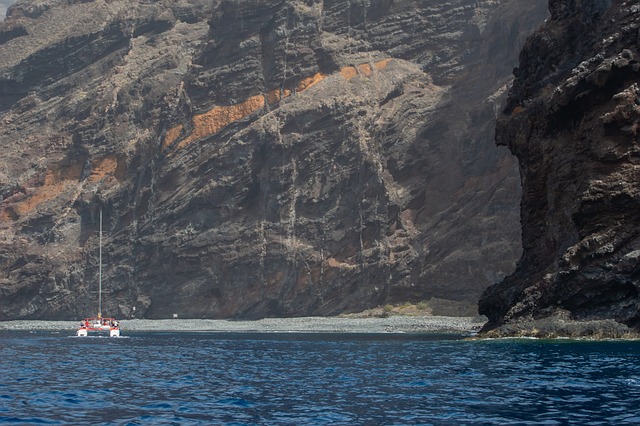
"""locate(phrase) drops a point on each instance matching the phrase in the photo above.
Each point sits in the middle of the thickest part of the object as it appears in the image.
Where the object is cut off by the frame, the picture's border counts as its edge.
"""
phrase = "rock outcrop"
(254, 158)
(572, 120)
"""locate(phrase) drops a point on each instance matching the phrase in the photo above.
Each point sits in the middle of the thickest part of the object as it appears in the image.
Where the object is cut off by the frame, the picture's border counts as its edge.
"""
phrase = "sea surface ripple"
(315, 379)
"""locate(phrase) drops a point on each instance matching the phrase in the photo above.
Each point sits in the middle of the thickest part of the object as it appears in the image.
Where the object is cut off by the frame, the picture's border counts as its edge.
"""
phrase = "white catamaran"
(99, 324)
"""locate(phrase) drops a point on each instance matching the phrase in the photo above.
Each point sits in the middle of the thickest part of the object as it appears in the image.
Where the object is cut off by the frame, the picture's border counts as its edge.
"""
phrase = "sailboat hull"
(83, 332)
(98, 326)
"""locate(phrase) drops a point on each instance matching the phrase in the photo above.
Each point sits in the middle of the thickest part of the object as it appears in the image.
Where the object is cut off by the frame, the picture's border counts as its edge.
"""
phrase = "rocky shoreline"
(557, 327)
(392, 324)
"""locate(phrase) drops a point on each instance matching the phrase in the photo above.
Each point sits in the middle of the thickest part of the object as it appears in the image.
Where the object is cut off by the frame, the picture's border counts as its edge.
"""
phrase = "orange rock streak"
(348, 72)
(212, 121)
(105, 167)
(38, 196)
(171, 135)
(310, 82)
(56, 182)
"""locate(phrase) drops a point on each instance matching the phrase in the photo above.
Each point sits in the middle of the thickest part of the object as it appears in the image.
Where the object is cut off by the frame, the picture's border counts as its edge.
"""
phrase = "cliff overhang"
(572, 120)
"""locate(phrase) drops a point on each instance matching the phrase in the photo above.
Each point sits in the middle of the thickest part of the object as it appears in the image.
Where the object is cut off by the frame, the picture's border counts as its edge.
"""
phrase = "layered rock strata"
(572, 120)
(254, 158)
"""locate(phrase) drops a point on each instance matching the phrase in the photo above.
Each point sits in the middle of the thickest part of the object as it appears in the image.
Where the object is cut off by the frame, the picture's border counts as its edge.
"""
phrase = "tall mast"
(100, 269)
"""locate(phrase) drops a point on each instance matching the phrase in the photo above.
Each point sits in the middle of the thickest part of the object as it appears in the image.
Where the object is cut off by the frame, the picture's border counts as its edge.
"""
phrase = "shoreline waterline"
(391, 324)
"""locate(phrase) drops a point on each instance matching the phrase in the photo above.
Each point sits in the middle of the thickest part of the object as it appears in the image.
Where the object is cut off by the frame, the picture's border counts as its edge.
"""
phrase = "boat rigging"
(99, 324)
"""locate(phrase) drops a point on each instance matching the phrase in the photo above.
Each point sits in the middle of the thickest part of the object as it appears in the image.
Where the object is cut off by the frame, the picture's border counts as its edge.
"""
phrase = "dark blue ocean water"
(314, 379)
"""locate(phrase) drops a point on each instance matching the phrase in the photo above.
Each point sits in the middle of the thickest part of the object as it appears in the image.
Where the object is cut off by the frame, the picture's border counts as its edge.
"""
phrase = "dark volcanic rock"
(254, 158)
(572, 120)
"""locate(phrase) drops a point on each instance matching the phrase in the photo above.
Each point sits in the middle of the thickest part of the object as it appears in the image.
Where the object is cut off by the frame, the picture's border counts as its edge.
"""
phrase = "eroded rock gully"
(254, 158)
(572, 120)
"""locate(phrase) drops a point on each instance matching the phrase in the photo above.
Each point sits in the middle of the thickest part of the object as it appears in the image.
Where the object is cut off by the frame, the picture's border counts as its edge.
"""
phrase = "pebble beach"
(391, 324)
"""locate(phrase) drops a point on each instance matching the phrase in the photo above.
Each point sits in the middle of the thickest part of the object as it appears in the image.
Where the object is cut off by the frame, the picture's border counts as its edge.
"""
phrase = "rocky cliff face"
(572, 120)
(254, 158)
